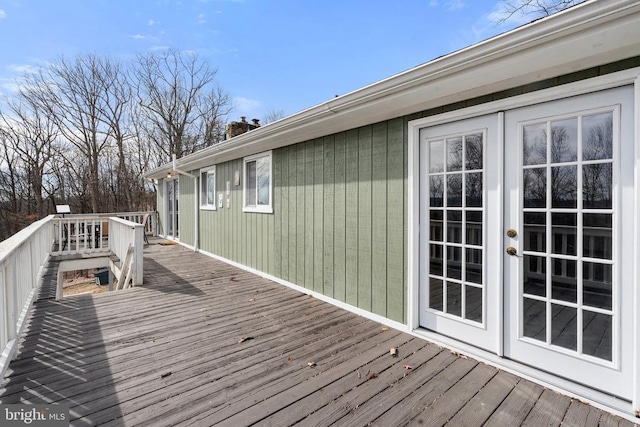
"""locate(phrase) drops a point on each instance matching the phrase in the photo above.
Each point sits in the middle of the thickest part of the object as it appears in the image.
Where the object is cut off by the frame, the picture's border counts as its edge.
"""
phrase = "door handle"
(512, 251)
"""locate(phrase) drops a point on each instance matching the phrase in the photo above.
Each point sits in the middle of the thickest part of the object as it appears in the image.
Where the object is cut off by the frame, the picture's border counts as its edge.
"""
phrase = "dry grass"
(75, 283)
(81, 288)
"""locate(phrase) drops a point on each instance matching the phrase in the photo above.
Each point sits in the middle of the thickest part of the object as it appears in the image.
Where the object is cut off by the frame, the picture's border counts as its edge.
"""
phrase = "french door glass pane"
(564, 141)
(568, 260)
(534, 319)
(597, 335)
(456, 200)
(564, 326)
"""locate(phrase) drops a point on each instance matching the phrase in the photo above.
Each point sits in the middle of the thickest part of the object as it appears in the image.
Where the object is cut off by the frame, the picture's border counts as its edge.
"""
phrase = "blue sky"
(270, 54)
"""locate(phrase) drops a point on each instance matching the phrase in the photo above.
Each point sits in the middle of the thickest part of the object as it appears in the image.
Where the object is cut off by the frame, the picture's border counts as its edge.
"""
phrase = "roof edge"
(571, 24)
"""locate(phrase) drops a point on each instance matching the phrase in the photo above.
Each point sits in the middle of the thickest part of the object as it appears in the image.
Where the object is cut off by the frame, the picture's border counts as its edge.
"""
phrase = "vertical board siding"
(364, 218)
(308, 209)
(339, 221)
(379, 219)
(318, 214)
(186, 210)
(300, 212)
(351, 160)
(396, 206)
(328, 215)
(162, 209)
(293, 206)
(343, 216)
(243, 237)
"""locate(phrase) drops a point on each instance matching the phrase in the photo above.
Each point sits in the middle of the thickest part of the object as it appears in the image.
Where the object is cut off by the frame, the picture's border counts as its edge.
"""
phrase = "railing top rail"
(104, 214)
(7, 247)
(125, 222)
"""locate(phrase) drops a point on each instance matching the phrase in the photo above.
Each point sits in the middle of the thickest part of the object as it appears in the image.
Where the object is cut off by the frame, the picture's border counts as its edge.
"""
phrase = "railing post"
(138, 253)
(154, 221)
(4, 314)
(11, 280)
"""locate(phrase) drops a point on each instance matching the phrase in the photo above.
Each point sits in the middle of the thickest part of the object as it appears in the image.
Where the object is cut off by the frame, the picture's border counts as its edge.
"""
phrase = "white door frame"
(631, 76)
(169, 208)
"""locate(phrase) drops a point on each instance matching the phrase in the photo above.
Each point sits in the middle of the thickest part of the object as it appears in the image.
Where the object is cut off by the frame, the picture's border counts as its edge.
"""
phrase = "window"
(257, 183)
(208, 188)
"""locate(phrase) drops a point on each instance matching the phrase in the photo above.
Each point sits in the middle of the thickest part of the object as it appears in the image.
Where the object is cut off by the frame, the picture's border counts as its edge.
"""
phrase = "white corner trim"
(636, 268)
(413, 227)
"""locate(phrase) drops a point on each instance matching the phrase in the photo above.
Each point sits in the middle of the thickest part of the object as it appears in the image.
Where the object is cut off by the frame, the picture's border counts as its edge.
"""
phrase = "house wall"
(161, 208)
(339, 225)
(186, 210)
(246, 238)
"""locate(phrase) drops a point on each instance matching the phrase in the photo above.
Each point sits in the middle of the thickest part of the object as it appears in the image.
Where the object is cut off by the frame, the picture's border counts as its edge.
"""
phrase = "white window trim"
(203, 196)
(258, 208)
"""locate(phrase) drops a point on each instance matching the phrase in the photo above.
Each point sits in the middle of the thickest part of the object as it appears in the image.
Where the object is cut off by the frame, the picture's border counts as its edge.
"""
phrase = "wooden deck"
(205, 343)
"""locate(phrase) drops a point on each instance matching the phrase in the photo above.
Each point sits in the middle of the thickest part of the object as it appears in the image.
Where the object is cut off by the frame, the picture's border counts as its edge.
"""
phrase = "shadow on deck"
(203, 343)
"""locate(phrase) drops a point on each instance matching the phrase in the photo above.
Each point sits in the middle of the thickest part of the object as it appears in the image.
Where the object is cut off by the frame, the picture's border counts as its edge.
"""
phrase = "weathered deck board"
(168, 353)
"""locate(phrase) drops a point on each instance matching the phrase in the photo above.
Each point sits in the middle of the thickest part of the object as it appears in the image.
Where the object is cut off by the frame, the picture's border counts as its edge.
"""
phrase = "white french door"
(171, 200)
(460, 172)
(569, 200)
(527, 236)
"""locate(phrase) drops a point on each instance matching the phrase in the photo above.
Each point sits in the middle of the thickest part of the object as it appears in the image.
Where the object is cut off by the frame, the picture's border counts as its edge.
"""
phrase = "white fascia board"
(591, 34)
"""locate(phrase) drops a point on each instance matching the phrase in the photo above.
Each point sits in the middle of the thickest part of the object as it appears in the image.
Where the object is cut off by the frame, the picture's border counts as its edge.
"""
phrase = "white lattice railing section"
(22, 260)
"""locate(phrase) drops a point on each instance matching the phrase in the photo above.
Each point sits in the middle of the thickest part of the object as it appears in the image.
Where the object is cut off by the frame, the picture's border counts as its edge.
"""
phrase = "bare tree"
(273, 115)
(11, 189)
(32, 135)
(72, 93)
(180, 99)
(534, 8)
(116, 111)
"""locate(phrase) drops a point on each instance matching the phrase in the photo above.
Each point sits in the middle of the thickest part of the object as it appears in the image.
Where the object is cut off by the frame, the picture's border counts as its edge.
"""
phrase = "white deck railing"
(90, 233)
(22, 260)
(127, 236)
(24, 255)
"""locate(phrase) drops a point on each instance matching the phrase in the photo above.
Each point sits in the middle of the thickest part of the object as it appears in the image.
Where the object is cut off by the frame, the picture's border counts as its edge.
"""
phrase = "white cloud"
(202, 18)
(22, 68)
(151, 22)
(155, 48)
(454, 4)
(246, 105)
(138, 37)
(3, 14)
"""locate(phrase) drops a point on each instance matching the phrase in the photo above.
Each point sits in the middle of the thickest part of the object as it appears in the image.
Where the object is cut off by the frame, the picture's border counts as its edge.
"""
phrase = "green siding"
(396, 208)
(339, 220)
(339, 225)
(162, 209)
(345, 201)
(186, 210)
(243, 237)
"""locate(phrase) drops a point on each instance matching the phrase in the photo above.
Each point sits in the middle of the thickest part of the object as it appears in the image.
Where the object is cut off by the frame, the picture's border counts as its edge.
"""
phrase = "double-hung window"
(208, 188)
(257, 183)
